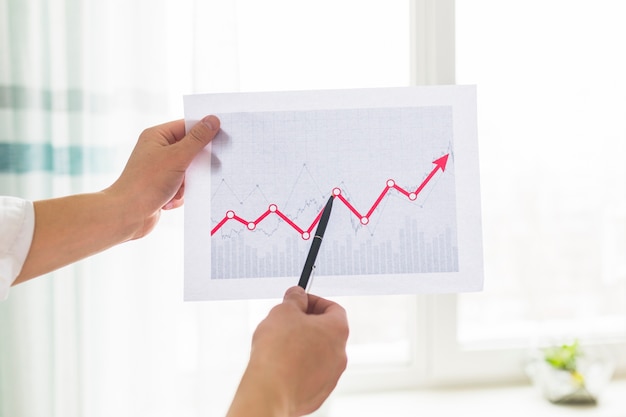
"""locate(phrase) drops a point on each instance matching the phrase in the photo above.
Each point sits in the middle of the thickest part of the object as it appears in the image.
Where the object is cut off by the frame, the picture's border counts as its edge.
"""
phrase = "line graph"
(390, 170)
(440, 164)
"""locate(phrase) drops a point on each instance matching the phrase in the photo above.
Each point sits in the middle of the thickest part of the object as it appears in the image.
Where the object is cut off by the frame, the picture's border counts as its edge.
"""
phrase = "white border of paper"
(199, 286)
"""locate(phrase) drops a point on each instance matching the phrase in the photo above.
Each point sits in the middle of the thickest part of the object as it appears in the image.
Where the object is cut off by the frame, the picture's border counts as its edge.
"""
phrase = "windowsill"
(512, 401)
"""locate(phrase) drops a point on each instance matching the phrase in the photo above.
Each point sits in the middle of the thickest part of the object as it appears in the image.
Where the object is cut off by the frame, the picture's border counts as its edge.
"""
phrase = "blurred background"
(79, 81)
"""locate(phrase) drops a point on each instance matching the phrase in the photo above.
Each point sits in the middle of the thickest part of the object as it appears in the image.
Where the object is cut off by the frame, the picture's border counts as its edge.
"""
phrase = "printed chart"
(268, 214)
(391, 169)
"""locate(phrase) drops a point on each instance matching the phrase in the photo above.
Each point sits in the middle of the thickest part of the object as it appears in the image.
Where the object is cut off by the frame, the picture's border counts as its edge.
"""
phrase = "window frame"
(438, 358)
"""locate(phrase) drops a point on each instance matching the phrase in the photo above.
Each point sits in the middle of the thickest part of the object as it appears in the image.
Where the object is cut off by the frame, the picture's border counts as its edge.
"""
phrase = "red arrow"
(441, 163)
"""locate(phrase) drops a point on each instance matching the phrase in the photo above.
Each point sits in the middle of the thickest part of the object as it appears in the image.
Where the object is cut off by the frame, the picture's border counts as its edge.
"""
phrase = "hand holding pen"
(298, 354)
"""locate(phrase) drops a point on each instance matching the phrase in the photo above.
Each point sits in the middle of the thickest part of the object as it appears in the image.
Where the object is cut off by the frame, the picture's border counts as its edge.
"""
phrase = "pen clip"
(310, 283)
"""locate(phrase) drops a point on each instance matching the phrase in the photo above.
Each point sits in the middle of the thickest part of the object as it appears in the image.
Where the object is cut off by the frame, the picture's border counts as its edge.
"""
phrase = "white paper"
(402, 162)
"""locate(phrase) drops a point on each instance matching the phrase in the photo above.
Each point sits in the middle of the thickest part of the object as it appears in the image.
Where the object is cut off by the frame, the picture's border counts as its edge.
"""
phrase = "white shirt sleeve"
(17, 224)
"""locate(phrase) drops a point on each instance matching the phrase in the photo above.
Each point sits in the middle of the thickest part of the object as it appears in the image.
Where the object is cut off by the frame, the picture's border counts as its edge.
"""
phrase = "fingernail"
(209, 122)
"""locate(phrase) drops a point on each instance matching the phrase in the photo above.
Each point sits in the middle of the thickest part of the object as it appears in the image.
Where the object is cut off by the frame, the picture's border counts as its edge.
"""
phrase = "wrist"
(133, 220)
(120, 208)
(259, 396)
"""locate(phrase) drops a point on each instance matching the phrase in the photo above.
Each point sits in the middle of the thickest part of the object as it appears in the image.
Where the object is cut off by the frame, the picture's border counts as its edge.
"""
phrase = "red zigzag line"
(364, 219)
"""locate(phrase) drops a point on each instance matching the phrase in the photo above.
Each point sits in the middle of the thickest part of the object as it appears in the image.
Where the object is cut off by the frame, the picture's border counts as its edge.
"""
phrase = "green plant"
(565, 357)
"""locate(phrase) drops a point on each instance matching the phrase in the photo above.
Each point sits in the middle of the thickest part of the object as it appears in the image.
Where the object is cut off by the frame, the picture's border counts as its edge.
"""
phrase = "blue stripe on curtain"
(73, 100)
(21, 158)
(73, 160)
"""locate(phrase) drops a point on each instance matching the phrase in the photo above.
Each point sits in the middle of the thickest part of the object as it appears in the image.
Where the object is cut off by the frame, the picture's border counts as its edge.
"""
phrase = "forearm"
(71, 228)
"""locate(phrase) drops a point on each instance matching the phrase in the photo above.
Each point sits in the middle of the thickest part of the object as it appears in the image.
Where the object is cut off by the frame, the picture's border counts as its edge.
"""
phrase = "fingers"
(312, 304)
(319, 305)
(178, 199)
(192, 142)
(199, 136)
(330, 313)
(298, 297)
(172, 131)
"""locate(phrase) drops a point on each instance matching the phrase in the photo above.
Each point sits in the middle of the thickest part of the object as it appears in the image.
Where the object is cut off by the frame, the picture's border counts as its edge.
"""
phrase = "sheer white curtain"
(79, 80)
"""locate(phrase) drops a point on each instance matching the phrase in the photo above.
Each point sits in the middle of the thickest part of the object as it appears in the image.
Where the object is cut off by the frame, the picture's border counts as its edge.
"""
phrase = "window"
(552, 144)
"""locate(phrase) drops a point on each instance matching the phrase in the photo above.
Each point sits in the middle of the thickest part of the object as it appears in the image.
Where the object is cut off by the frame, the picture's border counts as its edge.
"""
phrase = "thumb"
(199, 136)
(297, 296)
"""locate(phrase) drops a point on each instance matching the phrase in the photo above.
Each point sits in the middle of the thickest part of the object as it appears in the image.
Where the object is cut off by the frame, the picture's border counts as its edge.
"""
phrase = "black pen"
(315, 245)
